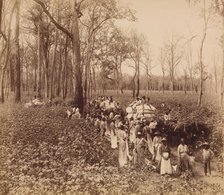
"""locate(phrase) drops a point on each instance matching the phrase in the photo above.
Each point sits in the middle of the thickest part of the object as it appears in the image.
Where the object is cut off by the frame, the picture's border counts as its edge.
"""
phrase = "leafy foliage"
(42, 152)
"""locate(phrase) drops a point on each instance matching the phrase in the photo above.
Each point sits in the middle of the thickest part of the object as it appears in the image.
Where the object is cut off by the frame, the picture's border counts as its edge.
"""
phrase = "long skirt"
(132, 135)
(123, 158)
(184, 162)
(107, 133)
(165, 166)
(156, 154)
(150, 143)
(113, 138)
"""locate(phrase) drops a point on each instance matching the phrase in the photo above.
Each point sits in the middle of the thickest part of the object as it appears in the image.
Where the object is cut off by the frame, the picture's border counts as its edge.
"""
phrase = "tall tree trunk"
(7, 56)
(90, 90)
(216, 78)
(89, 85)
(138, 79)
(7, 85)
(201, 81)
(59, 72)
(17, 68)
(1, 5)
(133, 85)
(76, 59)
(172, 82)
(94, 78)
(12, 74)
(185, 82)
(163, 82)
(201, 64)
(86, 81)
(39, 54)
(53, 66)
(46, 68)
(222, 76)
(35, 77)
(2, 83)
(66, 73)
(121, 76)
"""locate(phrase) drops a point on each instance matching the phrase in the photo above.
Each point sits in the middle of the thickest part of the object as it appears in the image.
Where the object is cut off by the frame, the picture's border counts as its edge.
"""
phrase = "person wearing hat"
(156, 143)
(139, 149)
(122, 146)
(165, 163)
(182, 153)
(207, 155)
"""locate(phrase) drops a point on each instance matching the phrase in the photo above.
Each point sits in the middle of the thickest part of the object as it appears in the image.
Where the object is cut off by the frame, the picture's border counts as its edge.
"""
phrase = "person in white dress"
(165, 164)
(113, 135)
(122, 156)
(148, 131)
(132, 131)
(156, 143)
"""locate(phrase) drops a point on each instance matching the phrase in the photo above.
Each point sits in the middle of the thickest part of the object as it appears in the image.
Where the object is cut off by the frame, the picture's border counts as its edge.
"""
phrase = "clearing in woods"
(42, 152)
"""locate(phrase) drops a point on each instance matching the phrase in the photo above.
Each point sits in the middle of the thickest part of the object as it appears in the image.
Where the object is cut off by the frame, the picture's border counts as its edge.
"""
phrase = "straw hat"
(164, 140)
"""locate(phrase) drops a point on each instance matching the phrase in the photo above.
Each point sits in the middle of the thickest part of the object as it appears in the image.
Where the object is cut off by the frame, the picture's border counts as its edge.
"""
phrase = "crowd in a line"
(135, 135)
(138, 143)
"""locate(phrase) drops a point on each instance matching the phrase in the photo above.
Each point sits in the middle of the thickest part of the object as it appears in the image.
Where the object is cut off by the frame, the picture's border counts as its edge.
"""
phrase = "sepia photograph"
(111, 97)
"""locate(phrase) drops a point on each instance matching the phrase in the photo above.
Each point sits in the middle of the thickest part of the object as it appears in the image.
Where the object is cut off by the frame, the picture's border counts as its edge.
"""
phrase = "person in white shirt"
(207, 155)
(182, 153)
(77, 114)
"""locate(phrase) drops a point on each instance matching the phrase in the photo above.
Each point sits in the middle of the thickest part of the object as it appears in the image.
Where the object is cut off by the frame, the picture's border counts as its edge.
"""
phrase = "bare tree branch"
(99, 25)
(3, 35)
(60, 27)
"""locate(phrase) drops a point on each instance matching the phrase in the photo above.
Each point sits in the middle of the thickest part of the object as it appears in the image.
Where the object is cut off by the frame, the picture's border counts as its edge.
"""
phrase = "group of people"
(35, 101)
(138, 140)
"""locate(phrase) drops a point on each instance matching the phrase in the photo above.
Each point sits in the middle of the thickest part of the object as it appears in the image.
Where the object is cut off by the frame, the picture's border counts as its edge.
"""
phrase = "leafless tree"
(173, 57)
(162, 59)
(219, 6)
(202, 72)
(136, 55)
(147, 62)
(189, 61)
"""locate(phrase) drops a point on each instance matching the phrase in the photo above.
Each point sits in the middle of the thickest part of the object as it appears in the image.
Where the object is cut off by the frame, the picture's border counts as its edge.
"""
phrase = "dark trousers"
(207, 167)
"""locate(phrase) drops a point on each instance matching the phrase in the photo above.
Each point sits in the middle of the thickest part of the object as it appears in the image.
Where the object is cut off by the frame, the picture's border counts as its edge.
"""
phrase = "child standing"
(97, 124)
(103, 126)
(207, 155)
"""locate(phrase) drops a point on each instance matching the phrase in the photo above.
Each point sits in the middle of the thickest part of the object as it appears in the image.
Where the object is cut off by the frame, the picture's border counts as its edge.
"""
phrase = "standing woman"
(132, 130)
(165, 165)
(156, 143)
(122, 136)
(148, 132)
(113, 135)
